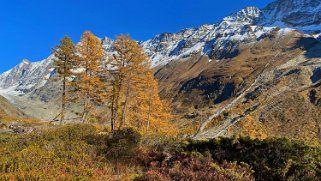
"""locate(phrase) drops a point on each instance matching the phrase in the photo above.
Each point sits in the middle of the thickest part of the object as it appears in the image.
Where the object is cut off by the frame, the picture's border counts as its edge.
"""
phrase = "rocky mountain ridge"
(304, 15)
(249, 66)
(217, 41)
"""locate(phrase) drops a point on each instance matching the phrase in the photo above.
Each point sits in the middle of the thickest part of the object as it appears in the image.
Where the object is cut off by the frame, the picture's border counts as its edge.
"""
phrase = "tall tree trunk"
(122, 121)
(84, 113)
(117, 100)
(88, 95)
(63, 101)
(112, 119)
(149, 113)
(116, 109)
(87, 98)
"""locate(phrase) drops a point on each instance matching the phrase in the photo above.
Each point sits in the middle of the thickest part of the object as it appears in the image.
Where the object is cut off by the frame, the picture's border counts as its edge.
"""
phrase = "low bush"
(192, 166)
(70, 152)
(271, 159)
(78, 152)
(123, 143)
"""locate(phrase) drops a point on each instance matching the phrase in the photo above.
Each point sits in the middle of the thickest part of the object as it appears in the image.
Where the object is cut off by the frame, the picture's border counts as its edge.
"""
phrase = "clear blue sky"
(30, 28)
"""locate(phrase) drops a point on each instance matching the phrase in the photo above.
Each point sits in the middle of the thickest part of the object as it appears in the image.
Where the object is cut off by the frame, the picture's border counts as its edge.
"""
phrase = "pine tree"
(88, 69)
(64, 57)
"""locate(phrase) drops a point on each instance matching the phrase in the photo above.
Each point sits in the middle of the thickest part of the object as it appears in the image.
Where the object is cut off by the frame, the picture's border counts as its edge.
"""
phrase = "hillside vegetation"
(123, 130)
(80, 152)
(8, 110)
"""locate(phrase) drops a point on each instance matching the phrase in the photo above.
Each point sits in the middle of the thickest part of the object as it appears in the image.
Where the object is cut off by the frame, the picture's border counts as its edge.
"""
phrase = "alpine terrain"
(238, 100)
(258, 68)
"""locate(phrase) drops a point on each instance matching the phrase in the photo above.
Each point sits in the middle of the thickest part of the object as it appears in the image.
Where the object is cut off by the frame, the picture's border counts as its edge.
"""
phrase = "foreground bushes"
(64, 153)
(78, 152)
(237, 159)
(271, 159)
(192, 166)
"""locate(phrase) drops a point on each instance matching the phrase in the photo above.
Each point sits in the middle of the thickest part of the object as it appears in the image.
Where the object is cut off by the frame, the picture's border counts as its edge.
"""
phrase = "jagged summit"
(107, 43)
(216, 41)
(304, 15)
(26, 76)
(242, 63)
(246, 15)
(25, 61)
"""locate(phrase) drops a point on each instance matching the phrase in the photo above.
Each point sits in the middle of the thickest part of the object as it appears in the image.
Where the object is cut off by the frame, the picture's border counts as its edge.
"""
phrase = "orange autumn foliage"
(148, 112)
(136, 100)
(252, 128)
(88, 83)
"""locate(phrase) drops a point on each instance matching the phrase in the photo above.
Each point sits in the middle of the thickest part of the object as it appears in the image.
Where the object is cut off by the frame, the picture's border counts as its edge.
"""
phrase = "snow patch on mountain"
(217, 41)
(304, 15)
(26, 76)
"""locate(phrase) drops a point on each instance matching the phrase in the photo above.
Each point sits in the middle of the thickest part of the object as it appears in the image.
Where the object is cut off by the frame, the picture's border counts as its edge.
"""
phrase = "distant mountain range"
(266, 62)
(217, 41)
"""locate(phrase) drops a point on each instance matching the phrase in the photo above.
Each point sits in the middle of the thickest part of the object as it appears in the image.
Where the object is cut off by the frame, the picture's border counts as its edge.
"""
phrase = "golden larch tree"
(87, 70)
(126, 63)
(65, 54)
(136, 101)
(149, 114)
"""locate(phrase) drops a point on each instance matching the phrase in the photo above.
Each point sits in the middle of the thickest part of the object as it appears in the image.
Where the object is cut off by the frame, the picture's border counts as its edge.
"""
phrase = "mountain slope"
(27, 76)
(217, 41)
(299, 14)
(8, 110)
(253, 65)
(274, 87)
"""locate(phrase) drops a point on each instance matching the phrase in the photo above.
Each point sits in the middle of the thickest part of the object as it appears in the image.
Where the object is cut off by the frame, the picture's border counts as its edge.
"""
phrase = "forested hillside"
(236, 100)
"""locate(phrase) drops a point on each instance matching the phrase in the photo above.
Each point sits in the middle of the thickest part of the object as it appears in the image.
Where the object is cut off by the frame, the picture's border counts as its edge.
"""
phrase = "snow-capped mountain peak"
(303, 15)
(107, 43)
(246, 15)
(25, 62)
(213, 40)
(26, 76)
(217, 41)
